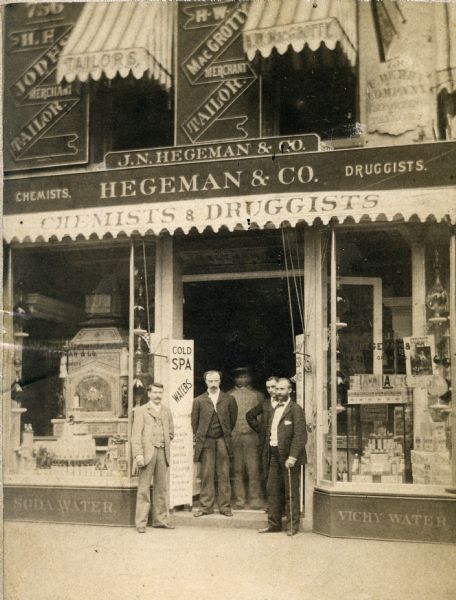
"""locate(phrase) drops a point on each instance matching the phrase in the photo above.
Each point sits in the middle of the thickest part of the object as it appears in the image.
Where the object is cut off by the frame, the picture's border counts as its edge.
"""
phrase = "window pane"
(69, 395)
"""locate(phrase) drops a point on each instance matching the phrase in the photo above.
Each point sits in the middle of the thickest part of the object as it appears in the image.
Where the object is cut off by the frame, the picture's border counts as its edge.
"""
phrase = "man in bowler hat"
(246, 464)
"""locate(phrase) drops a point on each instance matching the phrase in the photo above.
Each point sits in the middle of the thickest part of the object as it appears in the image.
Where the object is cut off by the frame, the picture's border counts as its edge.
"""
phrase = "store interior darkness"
(240, 323)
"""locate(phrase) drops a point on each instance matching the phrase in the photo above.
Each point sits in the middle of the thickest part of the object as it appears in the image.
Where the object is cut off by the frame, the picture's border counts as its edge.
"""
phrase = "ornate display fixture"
(437, 297)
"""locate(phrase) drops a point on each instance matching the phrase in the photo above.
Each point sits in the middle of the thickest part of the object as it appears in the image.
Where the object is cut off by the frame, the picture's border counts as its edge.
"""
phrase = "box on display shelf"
(431, 467)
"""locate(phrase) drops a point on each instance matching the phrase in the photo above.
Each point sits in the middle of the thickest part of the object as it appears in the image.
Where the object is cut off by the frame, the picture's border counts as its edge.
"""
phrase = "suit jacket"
(258, 418)
(202, 411)
(291, 434)
(143, 433)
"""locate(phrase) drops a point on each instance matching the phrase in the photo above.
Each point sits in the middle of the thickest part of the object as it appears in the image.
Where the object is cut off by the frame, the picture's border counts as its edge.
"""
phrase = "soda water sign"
(180, 402)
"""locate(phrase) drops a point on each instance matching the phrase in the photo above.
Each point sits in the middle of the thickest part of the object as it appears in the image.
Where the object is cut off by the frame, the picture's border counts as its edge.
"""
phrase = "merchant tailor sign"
(217, 85)
(45, 122)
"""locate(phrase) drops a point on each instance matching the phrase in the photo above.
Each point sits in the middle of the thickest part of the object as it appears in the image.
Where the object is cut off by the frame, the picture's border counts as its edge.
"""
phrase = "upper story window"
(124, 51)
(307, 54)
(309, 92)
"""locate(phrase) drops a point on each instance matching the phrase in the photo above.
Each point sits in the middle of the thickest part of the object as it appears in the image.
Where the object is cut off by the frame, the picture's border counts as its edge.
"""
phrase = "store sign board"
(221, 151)
(97, 505)
(181, 372)
(399, 97)
(310, 181)
(379, 397)
(217, 86)
(46, 123)
(417, 518)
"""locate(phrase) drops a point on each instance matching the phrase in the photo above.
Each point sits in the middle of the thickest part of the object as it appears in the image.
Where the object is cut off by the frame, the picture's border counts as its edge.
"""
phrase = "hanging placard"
(398, 97)
(180, 402)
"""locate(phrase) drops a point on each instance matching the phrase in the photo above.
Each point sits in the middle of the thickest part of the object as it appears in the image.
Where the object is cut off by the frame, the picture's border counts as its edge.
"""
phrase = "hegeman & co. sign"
(255, 170)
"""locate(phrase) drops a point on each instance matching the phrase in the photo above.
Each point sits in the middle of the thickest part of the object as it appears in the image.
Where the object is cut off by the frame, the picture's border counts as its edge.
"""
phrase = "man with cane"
(287, 435)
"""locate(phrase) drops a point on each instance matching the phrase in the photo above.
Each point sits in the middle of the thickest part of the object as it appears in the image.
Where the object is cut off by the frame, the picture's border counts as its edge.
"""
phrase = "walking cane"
(291, 502)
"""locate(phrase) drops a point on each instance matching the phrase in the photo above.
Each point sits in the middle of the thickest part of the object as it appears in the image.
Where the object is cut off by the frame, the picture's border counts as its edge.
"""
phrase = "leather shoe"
(292, 533)
(141, 529)
(201, 513)
(164, 526)
(269, 530)
(226, 513)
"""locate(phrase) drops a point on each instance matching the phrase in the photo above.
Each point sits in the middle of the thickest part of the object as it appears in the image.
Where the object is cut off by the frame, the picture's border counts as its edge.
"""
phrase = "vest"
(215, 430)
(158, 434)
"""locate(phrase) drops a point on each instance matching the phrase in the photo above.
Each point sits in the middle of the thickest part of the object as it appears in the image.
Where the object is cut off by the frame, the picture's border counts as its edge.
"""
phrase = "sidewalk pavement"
(73, 562)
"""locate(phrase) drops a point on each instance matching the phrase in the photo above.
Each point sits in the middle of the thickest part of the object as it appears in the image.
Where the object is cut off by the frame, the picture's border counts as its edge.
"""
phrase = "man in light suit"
(214, 415)
(287, 436)
(151, 437)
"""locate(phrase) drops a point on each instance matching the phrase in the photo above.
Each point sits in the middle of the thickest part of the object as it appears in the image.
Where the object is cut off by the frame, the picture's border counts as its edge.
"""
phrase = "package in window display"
(419, 353)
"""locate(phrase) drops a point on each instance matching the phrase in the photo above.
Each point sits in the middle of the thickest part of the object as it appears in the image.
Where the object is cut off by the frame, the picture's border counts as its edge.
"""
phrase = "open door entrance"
(241, 322)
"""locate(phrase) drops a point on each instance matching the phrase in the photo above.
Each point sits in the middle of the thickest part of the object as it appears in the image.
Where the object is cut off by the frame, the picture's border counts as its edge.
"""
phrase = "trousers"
(215, 471)
(246, 462)
(278, 490)
(158, 469)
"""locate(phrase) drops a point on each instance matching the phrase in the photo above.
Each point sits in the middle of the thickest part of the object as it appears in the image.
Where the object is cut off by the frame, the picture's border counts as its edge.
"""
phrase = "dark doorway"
(239, 323)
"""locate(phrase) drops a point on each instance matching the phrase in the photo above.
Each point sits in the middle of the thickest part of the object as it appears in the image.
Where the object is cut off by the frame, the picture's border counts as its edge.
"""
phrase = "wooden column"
(452, 308)
(313, 380)
(168, 304)
(11, 418)
(418, 288)
(419, 328)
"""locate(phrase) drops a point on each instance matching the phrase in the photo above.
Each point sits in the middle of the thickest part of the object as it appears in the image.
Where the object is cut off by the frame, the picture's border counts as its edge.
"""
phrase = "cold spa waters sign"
(181, 378)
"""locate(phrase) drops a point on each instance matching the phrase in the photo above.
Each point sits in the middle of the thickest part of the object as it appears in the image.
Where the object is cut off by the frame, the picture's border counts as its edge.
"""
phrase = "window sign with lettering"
(45, 122)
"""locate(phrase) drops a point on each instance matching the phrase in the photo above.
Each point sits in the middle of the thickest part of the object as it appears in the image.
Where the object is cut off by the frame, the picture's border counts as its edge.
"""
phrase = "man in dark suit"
(258, 418)
(151, 437)
(214, 415)
(287, 435)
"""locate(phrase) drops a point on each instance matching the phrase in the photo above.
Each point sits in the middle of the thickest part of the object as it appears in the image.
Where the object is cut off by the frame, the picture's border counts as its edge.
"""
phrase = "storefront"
(293, 253)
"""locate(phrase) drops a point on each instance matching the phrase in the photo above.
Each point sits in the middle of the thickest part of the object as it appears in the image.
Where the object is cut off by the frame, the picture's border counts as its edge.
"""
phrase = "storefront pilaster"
(168, 305)
(313, 372)
(452, 307)
(418, 287)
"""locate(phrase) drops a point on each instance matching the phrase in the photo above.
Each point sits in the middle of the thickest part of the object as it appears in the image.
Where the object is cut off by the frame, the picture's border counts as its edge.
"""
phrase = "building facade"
(193, 186)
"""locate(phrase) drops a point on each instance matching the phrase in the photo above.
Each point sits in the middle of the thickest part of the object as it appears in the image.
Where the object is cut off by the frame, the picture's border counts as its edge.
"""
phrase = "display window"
(79, 358)
(388, 401)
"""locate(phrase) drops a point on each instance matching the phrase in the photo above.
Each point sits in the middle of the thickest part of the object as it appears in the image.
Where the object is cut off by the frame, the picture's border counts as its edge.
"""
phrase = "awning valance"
(120, 38)
(445, 35)
(283, 23)
(233, 213)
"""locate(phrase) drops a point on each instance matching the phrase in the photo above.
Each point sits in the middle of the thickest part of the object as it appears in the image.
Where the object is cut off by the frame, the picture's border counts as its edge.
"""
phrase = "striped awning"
(283, 23)
(120, 38)
(251, 212)
(445, 35)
